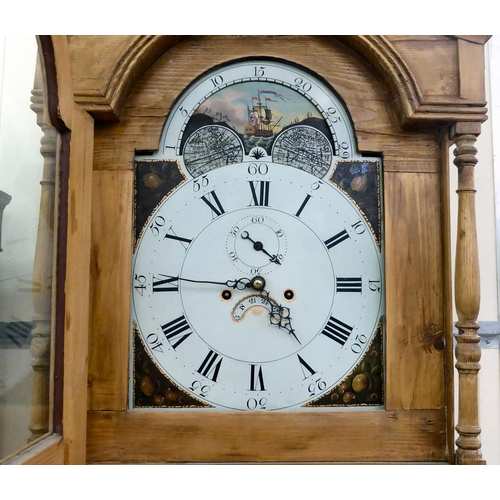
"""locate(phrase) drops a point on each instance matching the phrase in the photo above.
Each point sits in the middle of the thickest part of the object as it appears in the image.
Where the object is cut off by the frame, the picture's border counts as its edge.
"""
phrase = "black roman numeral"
(217, 210)
(307, 371)
(304, 203)
(256, 378)
(172, 236)
(262, 199)
(337, 330)
(211, 366)
(349, 285)
(174, 331)
(336, 239)
(160, 285)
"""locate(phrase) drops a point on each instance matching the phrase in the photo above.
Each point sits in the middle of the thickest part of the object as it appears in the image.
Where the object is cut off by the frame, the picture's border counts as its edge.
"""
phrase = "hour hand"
(280, 316)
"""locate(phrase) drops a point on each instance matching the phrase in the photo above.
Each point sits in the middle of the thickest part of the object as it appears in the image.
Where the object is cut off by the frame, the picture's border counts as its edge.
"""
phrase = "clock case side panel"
(411, 164)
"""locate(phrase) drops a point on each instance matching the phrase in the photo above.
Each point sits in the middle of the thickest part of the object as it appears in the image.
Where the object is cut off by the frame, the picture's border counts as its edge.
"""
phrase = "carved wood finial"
(467, 298)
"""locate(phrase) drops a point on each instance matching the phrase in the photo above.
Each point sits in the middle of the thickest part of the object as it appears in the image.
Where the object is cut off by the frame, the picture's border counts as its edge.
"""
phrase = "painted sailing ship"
(260, 116)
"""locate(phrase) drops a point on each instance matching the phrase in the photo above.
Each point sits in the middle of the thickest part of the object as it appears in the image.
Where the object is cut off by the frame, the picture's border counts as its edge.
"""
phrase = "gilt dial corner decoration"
(258, 269)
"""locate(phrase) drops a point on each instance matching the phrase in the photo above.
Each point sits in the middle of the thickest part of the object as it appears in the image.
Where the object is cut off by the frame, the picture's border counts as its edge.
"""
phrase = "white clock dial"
(247, 347)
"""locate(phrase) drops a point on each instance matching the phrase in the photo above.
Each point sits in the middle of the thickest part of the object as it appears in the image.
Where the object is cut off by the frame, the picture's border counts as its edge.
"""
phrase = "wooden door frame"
(66, 441)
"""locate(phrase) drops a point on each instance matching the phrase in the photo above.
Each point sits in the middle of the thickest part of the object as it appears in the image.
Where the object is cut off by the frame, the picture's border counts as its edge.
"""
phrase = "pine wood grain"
(52, 454)
(110, 272)
(152, 437)
(414, 291)
(77, 286)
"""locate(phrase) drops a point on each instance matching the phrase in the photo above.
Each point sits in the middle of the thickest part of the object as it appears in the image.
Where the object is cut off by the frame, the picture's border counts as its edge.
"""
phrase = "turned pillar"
(43, 271)
(467, 297)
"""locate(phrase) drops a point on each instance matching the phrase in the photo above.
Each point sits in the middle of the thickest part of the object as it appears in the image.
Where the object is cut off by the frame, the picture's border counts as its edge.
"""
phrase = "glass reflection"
(27, 193)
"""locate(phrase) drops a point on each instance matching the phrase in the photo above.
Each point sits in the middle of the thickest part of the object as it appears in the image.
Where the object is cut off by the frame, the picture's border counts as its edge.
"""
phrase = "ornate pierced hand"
(256, 283)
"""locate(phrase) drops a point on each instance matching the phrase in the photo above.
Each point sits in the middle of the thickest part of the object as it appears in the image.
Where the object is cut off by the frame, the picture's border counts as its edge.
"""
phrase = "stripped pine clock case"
(404, 149)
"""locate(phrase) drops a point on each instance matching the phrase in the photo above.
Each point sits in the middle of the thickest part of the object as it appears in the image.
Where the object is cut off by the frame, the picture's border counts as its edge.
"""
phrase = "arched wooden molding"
(103, 91)
(467, 297)
(106, 103)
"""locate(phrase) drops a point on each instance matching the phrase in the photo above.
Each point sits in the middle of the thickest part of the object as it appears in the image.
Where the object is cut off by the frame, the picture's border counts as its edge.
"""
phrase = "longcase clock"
(270, 251)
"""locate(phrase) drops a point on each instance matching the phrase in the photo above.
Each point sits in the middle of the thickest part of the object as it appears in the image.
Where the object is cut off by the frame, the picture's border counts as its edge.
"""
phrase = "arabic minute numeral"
(141, 280)
(199, 388)
(217, 80)
(258, 168)
(158, 222)
(360, 341)
(358, 227)
(154, 341)
(332, 111)
(253, 403)
(259, 70)
(316, 387)
(303, 84)
(345, 150)
(200, 182)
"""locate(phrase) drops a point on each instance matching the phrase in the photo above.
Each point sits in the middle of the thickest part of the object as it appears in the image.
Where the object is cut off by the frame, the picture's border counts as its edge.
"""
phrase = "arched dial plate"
(258, 279)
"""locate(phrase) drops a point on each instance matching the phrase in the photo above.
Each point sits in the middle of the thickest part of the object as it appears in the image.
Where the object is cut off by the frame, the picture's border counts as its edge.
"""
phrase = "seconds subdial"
(257, 244)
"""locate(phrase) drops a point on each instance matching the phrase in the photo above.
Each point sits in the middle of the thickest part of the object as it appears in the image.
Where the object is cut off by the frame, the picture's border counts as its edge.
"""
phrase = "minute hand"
(238, 284)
